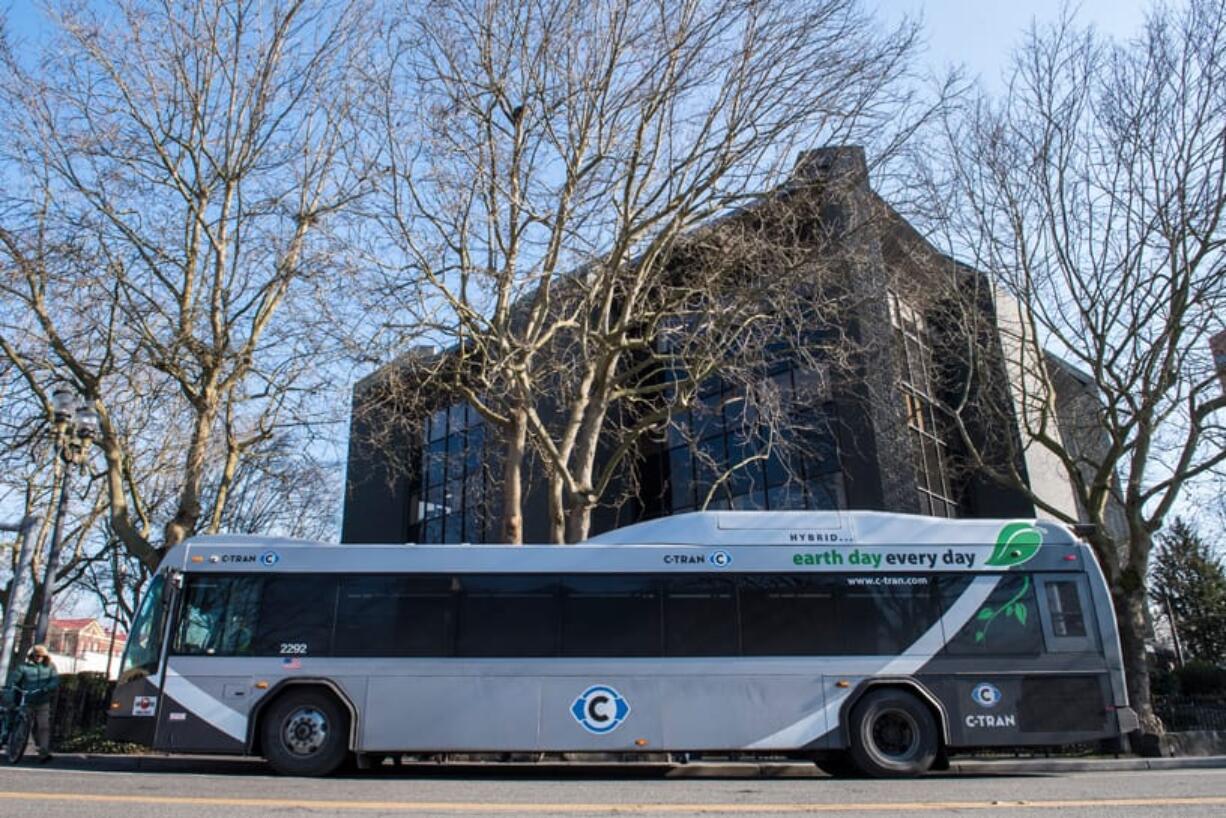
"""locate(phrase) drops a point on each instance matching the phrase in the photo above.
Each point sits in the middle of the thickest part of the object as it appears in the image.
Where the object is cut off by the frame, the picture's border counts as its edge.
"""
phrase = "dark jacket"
(38, 680)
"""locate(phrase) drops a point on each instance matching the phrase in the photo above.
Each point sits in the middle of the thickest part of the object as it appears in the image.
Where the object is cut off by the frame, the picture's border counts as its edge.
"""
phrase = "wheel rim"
(304, 731)
(896, 735)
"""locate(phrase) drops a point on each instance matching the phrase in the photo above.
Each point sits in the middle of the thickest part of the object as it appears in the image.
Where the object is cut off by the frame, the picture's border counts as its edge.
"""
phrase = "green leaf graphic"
(985, 613)
(1019, 611)
(1016, 543)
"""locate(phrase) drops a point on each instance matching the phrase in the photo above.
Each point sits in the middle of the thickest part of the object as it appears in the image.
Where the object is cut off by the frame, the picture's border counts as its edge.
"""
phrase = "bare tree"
(179, 169)
(547, 163)
(1093, 194)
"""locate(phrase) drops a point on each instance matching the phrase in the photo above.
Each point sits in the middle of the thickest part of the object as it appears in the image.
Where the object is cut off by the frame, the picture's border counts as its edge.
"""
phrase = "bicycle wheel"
(19, 736)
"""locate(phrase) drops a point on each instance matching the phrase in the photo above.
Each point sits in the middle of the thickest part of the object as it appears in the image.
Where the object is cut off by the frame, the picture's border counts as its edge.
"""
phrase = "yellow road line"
(612, 808)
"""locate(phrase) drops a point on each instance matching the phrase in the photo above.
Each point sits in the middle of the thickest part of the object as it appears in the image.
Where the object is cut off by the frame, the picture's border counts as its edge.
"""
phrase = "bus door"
(206, 687)
(134, 703)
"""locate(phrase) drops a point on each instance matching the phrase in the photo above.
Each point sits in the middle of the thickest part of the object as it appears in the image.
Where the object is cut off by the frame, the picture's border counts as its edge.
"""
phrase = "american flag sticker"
(291, 663)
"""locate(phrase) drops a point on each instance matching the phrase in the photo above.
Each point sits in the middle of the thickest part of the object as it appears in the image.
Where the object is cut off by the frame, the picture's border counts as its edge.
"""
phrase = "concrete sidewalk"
(221, 765)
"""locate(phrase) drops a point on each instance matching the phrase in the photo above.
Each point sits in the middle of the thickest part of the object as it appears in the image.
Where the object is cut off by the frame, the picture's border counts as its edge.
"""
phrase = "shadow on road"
(513, 770)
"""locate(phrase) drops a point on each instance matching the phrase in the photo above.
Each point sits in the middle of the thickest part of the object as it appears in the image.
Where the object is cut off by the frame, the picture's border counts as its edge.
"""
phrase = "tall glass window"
(450, 505)
(723, 455)
(928, 442)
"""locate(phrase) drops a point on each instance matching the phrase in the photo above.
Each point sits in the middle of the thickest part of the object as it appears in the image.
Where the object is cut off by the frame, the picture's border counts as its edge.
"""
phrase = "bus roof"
(739, 530)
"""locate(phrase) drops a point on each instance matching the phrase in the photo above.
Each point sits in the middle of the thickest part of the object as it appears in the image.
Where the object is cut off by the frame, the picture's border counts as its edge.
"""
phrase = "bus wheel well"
(285, 687)
(908, 686)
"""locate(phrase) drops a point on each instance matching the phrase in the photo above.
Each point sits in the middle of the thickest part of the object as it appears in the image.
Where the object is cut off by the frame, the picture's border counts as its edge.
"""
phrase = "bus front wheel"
(305, 732)
(893, 734)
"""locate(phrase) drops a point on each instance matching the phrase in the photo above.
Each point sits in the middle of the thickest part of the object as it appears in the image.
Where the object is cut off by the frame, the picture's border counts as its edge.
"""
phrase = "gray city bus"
(865, 642)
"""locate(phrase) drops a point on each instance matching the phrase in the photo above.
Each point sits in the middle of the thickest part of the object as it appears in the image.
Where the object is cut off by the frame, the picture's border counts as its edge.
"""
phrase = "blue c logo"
(986, 695)
(721, 559)
(269, 558)
(600, 709)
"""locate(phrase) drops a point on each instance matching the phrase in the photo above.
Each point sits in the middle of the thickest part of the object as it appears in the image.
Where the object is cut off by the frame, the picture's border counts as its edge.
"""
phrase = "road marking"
(612, 808)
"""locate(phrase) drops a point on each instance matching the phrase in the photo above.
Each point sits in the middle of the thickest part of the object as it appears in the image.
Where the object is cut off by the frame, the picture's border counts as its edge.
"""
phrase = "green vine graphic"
(1014, 608)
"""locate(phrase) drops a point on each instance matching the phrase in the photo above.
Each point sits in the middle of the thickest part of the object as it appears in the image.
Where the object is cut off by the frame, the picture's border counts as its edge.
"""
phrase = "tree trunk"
(578, 520)
(183, 524)
(1129, 602)
(557, 509)
(587, 442)
(512, 480)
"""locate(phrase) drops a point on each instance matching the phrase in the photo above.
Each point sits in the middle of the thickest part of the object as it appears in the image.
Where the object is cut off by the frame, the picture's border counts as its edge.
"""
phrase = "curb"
(1080, 765)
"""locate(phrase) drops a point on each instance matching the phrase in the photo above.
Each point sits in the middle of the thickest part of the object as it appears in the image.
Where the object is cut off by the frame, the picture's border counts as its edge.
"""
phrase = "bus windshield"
(145, 642)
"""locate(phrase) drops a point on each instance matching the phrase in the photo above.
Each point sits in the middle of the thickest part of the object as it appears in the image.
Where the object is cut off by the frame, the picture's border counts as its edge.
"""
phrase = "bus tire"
(305, 732)
(893, 734)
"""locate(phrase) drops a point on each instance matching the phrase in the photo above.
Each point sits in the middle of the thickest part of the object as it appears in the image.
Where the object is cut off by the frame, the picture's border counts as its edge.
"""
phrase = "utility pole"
(1170, 617)
(73, 429)
(19, 591)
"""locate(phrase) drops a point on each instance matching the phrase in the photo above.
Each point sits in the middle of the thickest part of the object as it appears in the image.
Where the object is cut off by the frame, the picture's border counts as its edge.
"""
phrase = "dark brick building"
(880, 443)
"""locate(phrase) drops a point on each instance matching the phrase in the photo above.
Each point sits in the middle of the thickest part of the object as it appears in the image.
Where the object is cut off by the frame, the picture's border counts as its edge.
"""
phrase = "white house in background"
(83, 645)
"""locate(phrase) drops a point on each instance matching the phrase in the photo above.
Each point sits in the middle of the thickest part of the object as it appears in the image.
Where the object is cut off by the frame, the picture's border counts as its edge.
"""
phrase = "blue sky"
(977, 34)
(980, 35)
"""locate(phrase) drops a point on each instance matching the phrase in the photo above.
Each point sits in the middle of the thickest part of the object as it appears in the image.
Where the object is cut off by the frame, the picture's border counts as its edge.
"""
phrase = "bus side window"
(1067, 621)
(884, 615)
(394, 616)
(1006, 623)
(700, 616)
(296, 613)
(218, 617)
(507, 615)
(611, 616)
(1065, 608)
(789, 615)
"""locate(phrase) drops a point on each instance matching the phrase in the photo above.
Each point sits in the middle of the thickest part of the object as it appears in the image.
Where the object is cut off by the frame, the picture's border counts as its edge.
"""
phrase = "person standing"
(38, 677)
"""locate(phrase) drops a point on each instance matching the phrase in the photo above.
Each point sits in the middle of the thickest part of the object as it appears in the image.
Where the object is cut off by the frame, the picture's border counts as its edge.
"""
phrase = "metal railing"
(1182, 713)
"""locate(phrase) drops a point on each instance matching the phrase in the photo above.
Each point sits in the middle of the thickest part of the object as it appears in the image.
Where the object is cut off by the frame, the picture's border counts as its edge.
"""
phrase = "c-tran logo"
(721, 559)
(600, 709)
(270, 558)
(986, 695)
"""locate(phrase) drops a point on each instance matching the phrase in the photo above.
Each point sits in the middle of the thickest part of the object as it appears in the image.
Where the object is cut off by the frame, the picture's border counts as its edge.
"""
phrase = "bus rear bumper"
(1127, 720)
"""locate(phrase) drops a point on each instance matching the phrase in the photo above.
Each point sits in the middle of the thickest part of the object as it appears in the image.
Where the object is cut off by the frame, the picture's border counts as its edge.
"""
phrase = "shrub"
(1202, 680)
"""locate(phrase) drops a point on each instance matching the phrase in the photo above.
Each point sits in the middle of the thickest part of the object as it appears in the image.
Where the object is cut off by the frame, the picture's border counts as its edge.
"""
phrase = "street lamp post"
(73, 429)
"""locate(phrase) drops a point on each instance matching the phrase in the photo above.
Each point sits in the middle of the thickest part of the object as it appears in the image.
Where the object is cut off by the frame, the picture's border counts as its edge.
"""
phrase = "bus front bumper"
(130, 729)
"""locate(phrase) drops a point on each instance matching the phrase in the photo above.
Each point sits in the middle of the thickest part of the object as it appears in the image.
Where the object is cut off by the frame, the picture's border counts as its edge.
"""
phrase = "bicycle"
(16, 719)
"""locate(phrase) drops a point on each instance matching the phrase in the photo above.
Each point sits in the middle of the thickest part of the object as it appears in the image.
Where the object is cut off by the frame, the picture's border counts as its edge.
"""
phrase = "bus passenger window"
(296, 615)
(884, 615)
(610, 616)
(1006, 623)
(510, 615)
(785, 615)
(394, 616)
(218, 616)
(1065, 608)
(700, 617)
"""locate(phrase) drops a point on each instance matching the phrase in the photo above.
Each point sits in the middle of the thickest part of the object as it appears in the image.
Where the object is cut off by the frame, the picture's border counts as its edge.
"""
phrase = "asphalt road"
(98, 789)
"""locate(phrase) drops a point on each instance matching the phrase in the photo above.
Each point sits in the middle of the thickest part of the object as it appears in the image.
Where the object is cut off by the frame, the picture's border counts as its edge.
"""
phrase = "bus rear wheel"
(305, 733)
(893, 735)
